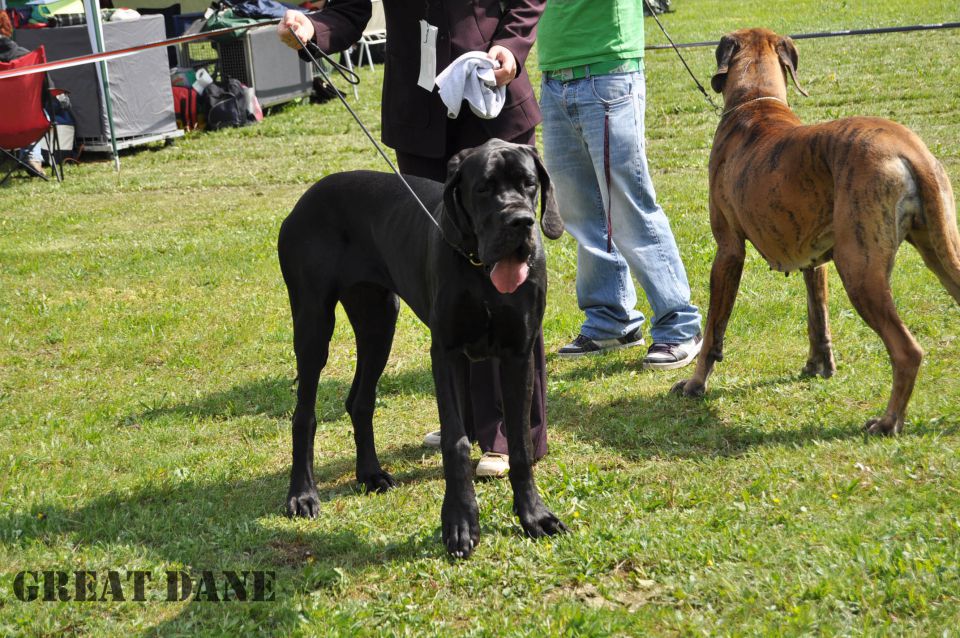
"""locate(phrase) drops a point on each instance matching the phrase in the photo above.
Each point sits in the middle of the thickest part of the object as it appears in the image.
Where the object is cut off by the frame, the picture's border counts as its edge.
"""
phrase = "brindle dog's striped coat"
(850, 190)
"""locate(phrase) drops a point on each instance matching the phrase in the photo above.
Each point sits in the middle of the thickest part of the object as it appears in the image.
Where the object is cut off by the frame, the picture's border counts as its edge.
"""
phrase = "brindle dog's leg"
(372, 311)
(866, 276)
(724, 283)
(820, 360)
(516, 382)
(459, 516)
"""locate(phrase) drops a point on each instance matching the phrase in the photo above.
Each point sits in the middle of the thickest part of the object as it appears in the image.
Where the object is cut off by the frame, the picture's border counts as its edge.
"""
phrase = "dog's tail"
(937, 238)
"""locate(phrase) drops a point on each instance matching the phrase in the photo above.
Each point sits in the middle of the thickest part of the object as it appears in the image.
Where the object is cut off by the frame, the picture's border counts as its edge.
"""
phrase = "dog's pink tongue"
(509, 273)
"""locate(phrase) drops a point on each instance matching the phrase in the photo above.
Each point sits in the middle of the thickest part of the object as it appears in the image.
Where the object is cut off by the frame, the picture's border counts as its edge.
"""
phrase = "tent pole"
(95, 27)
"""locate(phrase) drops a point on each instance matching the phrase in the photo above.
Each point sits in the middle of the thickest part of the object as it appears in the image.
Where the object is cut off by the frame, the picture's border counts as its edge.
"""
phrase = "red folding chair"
(23, 120)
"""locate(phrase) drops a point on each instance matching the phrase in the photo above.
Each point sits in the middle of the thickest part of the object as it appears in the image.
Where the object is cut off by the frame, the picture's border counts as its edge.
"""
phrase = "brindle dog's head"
(754, 63)
(490, 203)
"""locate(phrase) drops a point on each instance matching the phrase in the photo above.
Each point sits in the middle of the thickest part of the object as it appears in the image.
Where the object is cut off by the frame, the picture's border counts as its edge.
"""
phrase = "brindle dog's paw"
(541, 522)
(884, 426)
(376, 481)
(461, 528)
(819, 367)
(305, 504)
(688, 388)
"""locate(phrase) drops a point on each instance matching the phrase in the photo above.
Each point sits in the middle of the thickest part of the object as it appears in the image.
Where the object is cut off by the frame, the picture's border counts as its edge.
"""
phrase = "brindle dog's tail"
(936, 236)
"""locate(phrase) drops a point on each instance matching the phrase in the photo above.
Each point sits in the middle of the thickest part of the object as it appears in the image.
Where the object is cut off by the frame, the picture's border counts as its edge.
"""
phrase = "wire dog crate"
(258, 59)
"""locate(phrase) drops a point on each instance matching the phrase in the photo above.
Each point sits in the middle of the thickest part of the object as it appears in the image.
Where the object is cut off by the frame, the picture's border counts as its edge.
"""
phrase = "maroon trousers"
(486, 398)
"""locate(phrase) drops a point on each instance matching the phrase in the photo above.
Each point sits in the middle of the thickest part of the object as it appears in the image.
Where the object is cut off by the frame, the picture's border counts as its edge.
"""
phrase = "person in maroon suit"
(415, 124)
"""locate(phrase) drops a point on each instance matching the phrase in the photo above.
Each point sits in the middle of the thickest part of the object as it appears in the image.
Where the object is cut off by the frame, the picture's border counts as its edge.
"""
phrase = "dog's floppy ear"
(550, 221)
(725, 50)
(454, 221)
(788, 59)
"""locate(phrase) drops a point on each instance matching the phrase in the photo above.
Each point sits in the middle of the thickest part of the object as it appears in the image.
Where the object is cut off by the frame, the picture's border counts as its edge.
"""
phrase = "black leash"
(685, 65)
(351, 77)
(797, 36)
(820, 34)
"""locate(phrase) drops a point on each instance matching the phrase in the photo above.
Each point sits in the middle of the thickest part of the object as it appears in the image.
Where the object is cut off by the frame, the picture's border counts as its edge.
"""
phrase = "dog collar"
(469, 256)
(756, 99)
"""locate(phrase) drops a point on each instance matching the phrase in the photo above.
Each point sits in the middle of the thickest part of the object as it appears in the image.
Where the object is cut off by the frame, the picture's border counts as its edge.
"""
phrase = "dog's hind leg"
(866, 277)
(312, 327)
(372, 311)
(820, 359)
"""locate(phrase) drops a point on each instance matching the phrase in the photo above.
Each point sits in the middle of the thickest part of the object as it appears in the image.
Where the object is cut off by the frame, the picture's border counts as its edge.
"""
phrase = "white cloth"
(470, 78)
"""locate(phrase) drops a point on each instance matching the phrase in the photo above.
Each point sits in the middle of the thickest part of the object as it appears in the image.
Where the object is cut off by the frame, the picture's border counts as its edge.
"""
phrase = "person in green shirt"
(593, 97)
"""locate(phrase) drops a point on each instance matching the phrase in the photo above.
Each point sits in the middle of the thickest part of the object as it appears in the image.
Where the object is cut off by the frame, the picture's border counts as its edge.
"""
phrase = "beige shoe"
(36, 165)
(432, 439)
(493, 465)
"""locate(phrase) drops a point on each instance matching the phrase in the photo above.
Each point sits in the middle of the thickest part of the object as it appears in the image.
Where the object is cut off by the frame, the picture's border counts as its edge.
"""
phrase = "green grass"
(146, 375)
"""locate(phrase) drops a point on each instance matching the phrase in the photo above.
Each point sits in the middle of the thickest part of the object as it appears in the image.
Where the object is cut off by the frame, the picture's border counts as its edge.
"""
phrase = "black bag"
(323, 91)
(225, 104)
(659, 6)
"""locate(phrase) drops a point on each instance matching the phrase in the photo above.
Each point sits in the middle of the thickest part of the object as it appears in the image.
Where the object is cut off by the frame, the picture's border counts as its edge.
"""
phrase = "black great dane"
(475, 274)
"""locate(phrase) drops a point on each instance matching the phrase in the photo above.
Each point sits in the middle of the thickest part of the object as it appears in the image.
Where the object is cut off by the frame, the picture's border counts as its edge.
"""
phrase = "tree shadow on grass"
(668, 425)
(228, 525)
(275, 397)
(635, 426)
(234, 524)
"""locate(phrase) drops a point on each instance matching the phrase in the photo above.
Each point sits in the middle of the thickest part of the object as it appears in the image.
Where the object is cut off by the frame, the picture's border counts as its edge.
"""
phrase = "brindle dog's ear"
(725, 50)
(788, 59)
(550, 221)
(454, 221)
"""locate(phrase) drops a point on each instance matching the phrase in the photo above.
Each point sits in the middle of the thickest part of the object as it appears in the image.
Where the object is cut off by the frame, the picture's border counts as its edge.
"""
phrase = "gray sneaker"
(668, 356)
(585, 345)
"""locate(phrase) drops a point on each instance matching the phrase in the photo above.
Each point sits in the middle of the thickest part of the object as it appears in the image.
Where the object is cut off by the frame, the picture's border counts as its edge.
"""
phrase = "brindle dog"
(850, 190)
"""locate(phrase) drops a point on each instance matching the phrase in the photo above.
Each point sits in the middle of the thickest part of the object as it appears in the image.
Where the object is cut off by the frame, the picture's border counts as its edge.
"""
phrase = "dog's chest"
(484, 328)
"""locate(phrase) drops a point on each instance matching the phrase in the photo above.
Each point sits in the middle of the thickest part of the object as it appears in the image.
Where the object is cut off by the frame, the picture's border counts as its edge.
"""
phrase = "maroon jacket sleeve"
(340, 24)
(518, 27)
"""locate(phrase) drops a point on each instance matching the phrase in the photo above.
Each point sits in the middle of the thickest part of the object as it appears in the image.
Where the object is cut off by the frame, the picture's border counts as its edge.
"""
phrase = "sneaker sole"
(619, 346)
(671, 365)
(491, 475)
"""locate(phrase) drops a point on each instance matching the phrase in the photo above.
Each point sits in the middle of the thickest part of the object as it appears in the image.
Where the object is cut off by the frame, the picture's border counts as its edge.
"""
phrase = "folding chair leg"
(9, 173)
(18, 163)
(366, 47)
(53, 147)
(348, 53)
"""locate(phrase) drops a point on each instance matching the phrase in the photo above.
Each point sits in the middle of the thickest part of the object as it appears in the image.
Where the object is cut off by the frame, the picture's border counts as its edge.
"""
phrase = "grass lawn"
(146, 389)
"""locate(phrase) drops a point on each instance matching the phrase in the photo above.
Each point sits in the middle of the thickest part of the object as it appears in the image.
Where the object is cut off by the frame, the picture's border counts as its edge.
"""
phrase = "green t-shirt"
(576, 32)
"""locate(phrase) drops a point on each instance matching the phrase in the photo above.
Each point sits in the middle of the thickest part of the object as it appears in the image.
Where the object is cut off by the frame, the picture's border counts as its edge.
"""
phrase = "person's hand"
(297, 22)
(508, 64)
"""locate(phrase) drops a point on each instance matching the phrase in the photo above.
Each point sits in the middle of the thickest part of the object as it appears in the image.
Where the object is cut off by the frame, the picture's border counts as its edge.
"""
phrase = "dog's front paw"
(377, 480)
(303, 503)
(884, 426)
(540, 522)
(688, 388)
(461, 527)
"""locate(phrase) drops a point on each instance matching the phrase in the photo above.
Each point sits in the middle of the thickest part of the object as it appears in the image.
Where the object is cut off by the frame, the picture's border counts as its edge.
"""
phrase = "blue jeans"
(575, 116)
